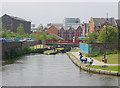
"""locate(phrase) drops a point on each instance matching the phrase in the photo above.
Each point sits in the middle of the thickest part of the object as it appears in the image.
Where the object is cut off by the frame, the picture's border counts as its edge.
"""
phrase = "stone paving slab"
(96, 62)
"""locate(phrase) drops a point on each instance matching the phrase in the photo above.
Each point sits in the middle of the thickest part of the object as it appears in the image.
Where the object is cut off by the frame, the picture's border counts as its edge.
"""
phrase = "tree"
(8, 33)
(40, 28)
(92, 38)
(20, 29)
(112, 34)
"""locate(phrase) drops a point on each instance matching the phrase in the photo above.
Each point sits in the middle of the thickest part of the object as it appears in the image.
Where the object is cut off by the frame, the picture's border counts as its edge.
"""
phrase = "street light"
(105, 59)
(105, 43)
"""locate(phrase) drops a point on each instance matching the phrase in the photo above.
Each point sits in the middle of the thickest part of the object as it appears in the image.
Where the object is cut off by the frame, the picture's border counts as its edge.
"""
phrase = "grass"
(111, 59)
(114, 58)
(112, 68)
(75, 50)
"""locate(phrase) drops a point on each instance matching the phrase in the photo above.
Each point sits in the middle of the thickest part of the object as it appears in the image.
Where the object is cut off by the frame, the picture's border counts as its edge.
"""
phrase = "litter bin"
(105, 60)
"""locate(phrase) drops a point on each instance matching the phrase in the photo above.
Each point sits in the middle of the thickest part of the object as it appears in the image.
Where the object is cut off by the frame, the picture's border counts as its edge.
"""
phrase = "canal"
(51, 70)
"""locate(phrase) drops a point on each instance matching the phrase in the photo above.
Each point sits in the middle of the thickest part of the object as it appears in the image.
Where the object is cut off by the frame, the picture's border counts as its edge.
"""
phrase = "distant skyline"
(55, 12)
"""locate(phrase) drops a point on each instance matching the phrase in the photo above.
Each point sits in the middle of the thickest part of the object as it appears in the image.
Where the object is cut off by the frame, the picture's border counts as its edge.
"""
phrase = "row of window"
(68, 31)
(68, 35)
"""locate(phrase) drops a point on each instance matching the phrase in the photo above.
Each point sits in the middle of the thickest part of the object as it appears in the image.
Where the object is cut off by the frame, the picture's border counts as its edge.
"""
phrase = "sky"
(55, 12)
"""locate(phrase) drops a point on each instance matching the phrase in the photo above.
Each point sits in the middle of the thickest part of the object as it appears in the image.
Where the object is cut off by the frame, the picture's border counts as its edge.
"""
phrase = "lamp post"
(105, 59)
(105, 43)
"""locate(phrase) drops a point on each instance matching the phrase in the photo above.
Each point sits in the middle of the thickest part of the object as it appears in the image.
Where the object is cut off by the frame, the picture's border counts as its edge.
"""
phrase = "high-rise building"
(71, 21)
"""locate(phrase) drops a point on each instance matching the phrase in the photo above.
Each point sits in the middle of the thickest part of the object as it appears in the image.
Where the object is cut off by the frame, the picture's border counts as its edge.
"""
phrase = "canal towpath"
(96, 62)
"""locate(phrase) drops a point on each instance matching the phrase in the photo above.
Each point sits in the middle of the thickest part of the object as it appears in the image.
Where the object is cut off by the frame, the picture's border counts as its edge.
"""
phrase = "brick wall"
(53, 30)
(103, 46)
(7, 46)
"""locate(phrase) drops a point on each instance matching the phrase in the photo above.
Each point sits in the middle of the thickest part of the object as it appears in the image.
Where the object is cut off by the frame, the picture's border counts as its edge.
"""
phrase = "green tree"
(20, 30)
(92, 38)
(8, 33)
(40, 28)
(112, 34)
(4, 34)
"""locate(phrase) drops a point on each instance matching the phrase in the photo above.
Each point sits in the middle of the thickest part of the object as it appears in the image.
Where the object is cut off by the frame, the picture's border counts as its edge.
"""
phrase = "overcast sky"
(55, 12)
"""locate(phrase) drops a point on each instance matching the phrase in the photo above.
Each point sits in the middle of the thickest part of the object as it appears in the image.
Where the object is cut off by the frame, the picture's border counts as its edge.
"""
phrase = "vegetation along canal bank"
(90, 68)
(11, 54)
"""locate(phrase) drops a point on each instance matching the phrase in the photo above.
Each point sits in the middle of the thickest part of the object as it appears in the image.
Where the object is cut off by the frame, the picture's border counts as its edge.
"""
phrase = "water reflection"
(53, 70)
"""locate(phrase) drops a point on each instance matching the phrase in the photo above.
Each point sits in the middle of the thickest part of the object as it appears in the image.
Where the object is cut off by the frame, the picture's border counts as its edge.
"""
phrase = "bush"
(113, 51)
(95, 54)
(16, 53)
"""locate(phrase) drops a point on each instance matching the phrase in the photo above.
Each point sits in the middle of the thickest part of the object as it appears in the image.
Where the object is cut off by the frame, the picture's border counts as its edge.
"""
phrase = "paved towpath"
(96, 62)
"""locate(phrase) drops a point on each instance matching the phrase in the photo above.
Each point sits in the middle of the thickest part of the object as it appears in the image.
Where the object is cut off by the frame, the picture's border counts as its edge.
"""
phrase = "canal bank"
(94, 70)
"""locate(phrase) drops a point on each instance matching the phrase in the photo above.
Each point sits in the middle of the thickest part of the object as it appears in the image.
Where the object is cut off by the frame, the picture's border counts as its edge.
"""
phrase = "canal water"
(51, 70)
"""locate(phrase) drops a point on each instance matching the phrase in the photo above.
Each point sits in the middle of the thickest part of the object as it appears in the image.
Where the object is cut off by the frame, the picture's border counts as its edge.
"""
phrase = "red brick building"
(102, 26)
(78, 31)
(85, 29)
(96, 24)
(52, 30)
(64, 32)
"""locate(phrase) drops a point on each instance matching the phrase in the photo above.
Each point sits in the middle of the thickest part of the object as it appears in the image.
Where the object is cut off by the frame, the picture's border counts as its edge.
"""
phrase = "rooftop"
(100, 21)
(17, 18)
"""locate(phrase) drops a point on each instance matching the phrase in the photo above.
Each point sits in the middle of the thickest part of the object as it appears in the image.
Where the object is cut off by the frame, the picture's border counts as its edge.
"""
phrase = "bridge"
(61, 43)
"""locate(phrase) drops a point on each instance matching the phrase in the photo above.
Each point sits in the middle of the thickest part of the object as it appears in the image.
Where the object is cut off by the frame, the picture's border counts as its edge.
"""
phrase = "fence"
(85, 48)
